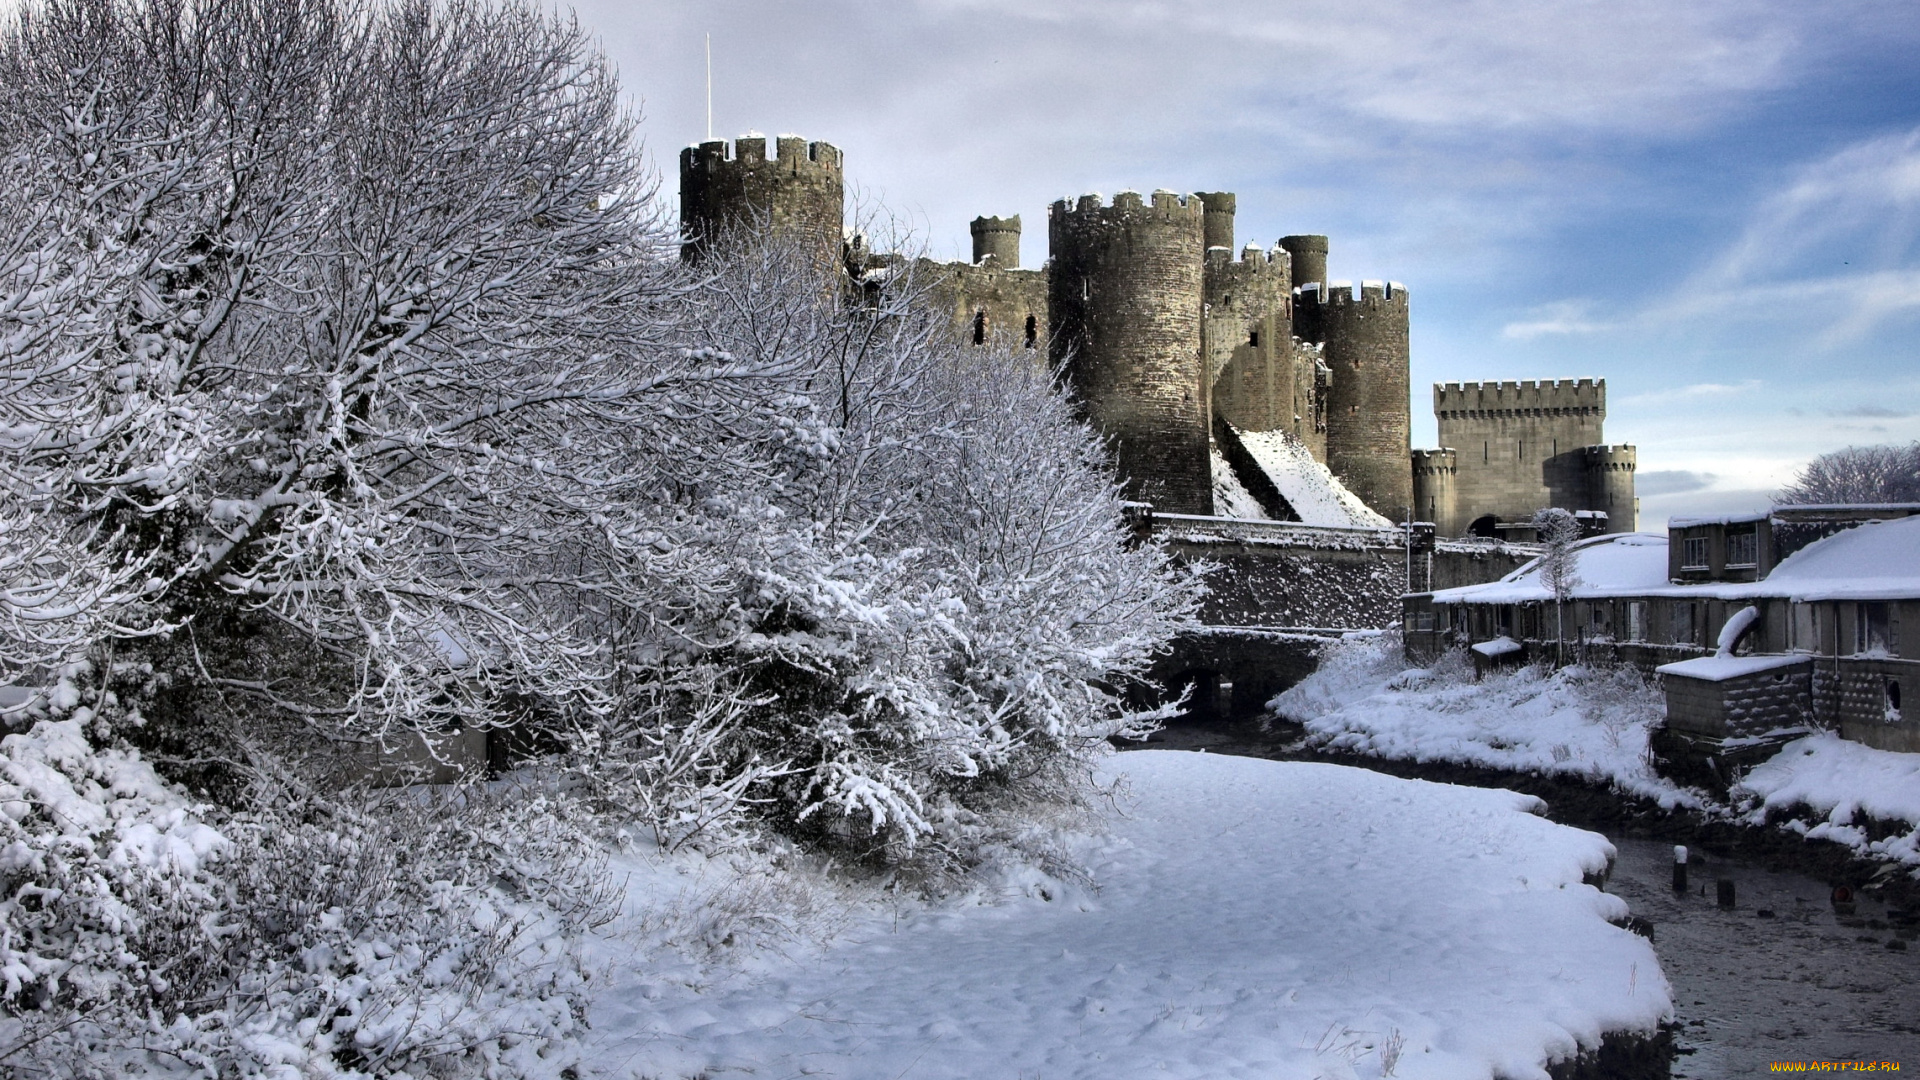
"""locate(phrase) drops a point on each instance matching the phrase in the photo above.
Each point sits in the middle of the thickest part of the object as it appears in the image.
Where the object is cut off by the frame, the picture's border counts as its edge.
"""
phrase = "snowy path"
(1256, 919)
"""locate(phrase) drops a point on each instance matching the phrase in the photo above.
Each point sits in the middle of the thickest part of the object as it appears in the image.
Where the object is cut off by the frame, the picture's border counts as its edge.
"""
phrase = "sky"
(1713, 205)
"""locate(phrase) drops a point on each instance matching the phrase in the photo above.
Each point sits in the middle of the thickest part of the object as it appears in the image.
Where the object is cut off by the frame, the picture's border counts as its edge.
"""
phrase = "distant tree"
(1859, 474)
(1559, 530)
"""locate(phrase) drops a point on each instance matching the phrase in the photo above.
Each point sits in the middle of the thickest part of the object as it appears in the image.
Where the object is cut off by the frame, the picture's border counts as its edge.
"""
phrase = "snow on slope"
(1586, 722)
(1836, 778)
(1253, 919)
(1313, 492)
(1230, 497)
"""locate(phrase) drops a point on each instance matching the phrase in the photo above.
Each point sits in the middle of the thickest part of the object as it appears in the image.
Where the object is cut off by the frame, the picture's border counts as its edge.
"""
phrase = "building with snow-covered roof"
(1751, 639)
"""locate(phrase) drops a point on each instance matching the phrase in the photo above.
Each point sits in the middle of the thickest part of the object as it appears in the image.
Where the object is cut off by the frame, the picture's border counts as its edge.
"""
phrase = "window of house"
(1870, 627)
(1504, 620)
(1637, 620)
(1695, 554)
(1685, 628)
(1893, 700)
(1743, 548)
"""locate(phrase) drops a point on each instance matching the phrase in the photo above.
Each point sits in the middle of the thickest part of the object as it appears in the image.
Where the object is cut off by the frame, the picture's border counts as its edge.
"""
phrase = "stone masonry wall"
(1520, 444)
(1125, 294)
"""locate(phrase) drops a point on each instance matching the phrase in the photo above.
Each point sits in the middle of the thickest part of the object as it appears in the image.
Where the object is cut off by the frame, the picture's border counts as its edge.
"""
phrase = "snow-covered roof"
(1625, 564)
(1499, 646)
(1720, 667)
(1879, 560)
(1744, 517)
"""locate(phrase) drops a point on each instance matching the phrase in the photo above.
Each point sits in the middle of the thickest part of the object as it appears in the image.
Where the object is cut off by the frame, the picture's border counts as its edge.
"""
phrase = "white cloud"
(1565, 317)
(1691, 393)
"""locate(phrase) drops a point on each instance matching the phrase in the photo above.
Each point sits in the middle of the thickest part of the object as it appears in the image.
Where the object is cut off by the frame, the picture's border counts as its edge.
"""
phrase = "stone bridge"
(1280, 590)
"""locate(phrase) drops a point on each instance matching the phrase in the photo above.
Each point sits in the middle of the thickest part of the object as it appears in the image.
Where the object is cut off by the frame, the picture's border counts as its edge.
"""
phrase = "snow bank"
(1252, 918)
(1308, 486)
(1230, 497)
(1838, 779)
(1587, 722)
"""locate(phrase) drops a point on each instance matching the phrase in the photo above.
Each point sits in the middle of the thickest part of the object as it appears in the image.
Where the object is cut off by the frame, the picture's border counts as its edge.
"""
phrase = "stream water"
(1797, 983)
(1800, 983)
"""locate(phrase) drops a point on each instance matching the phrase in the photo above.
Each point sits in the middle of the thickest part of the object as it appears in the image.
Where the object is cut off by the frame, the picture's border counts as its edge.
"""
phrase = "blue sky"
(1715, 206)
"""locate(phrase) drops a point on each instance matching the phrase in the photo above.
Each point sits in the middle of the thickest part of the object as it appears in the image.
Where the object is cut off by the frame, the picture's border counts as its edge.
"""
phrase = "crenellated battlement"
(1521, 397)
(791, 152)
(1337, 293)
(1618, 458)
(799, 192)
(1166, 206)
(1441, 460)
(997, 238)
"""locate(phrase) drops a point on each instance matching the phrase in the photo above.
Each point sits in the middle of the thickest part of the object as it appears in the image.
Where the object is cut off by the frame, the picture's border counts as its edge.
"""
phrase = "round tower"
(997, 237)
(1433, 490)
(1125, 295)
(1219, 218)
(1309, 254)
(1610, 472)
(798, 194)
(1369, 423)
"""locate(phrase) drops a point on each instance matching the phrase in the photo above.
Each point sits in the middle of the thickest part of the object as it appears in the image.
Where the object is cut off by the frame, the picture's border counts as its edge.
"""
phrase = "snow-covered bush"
(142, 934)
(944, 615)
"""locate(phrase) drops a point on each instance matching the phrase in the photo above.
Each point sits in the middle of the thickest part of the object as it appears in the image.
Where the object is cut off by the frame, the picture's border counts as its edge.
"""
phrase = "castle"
(1177, 349)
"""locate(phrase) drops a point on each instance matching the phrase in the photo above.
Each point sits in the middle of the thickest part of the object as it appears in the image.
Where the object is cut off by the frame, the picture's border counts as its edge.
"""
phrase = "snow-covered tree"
(350, 387)
(1859, 474)
(349, 341)
(1559, 574)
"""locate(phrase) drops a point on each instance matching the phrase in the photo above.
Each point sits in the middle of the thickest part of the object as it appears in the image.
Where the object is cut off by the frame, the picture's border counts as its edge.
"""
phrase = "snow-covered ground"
(1308, 486)
(1230, 497)
(1591, 723)
(1838, 780)
(1246, 918)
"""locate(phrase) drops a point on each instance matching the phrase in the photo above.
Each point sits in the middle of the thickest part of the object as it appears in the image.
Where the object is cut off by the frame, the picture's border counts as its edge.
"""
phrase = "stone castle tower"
(1521, 445)
(799, 193)
(1174, 346)
(1124, 291)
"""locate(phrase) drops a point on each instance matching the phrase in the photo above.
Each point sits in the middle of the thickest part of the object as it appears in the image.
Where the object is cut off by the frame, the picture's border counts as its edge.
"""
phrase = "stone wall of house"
(1852, 694)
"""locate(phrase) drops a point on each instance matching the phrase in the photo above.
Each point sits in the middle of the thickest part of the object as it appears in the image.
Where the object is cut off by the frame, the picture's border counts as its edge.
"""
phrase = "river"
(1800, 983)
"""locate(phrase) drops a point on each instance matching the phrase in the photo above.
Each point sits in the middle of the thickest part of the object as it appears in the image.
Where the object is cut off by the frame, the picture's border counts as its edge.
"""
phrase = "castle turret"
(1309, 255)
(1610, 472)
(1219, 218)
(1433, 493)
(799, 194)
(1369, 428)
(997, 237)
(1125, 295)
